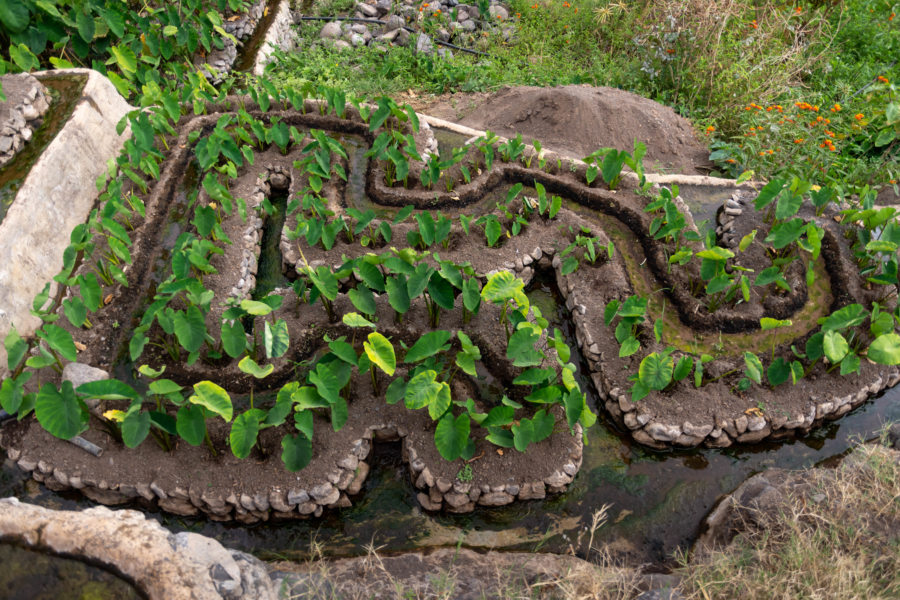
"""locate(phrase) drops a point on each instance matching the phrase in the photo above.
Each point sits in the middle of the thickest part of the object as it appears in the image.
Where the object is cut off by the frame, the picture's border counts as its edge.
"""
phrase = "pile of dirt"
(578, 119)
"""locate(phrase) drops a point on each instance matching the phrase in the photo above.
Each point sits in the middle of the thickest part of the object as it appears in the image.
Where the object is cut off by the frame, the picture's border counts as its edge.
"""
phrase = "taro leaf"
(441, 403)
(835, 346)
(441, 291)
(885, 350)
(16, 348)
(422, 390)
(14, 16)
(363, 299)
(783, 234)
(575, 406)
(164, 387)
(716, 253)
(213, 398)
(330, 378)
(251, 367)
(788, 204)
(396, 391)
(339, 414)
(543, 425)
(883, 323)
(428, 345)
(60, 340)
(610, 311)
(304, 422)
(778, 372)
(75, 310)
(504, 286)
(849, 316)
(381, 352)
(59, 411)
(234, 338)
(296, 452)
(769, 275)
(163, 421)
(344, 351)
(276, 338)
(850, 364)
(191, 424)
(190, 328)
(371, 275)
(418, 281)
(656, 371)
(815, 347)
(398, 294)
(499, 416)
(683, 368)
(523, 434)
(492, 230)
(471, 293)
(107, 389)
(754, 368)
(545, 395)
(451, 436)
(767, 323)
(244, 432)
(426, 227)
(256, 308)
(12, 392)
(535, 376)
(307, 397)
(325, 281)
(769, 192)
(797, 371)
(500, 437)
(135, 427)
(521, 348)
(634, 306)
(356, 320)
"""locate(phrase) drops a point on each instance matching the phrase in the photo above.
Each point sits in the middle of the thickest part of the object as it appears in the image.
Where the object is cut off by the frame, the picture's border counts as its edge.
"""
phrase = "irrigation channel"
(656, 500)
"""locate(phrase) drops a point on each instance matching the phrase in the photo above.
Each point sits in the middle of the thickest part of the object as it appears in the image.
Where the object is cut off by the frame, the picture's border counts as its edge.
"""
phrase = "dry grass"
(837, 536)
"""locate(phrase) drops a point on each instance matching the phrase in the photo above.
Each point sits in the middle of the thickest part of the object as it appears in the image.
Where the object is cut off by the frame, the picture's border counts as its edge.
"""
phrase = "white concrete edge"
(282, 21)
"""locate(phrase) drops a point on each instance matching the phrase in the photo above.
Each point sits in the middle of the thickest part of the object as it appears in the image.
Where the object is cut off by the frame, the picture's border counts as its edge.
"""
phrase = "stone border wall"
(21, 113)
(56, 196)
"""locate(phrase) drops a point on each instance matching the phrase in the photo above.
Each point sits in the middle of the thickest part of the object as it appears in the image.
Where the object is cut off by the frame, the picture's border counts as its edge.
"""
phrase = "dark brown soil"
(578, 119)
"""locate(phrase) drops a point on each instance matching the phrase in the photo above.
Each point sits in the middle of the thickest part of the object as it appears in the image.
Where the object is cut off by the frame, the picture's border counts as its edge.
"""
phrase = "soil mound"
(578, 119)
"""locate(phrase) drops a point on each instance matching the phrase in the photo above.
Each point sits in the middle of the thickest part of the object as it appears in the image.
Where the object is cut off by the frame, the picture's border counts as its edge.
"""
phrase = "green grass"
(708, 60)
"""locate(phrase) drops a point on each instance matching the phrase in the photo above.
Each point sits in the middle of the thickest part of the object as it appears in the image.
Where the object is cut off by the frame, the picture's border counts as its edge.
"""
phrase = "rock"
(368, 10)
(332, 30)
(498, 12)
(402, 37)
(662, 432)
(456, 499)
(495, 499)
(295, 497)
(424, 45)
(533, 491)
(393, 23)
(468, 25)
(80, 373)
(181, 566)
(362, 471)
(443, 484)
(357, 40)
(893, 436)
(426, 502)
(700, 431)
(322, 491)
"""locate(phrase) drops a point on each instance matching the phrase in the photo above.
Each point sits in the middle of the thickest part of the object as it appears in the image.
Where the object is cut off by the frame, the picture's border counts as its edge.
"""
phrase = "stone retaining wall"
(27, 100)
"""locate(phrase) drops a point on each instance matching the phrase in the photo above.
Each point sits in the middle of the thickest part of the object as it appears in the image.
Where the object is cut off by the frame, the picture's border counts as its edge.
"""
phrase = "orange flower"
(892, 181)
(836, 108)
(710, 129)
(670, 50)
(798, 141)
(730, 160)
(798, 10)
(754, 24)
(566, 5)
(891, 18)
(762, 152)
(518, 15)
(858, 116)
(829, 133)
(882, 79)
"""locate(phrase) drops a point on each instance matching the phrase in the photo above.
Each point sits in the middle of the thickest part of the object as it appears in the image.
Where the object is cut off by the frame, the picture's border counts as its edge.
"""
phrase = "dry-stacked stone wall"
(27, 100)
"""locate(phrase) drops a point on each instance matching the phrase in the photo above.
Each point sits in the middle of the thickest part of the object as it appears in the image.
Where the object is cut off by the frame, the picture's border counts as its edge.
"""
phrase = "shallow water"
(65, 92)
(30, 575)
